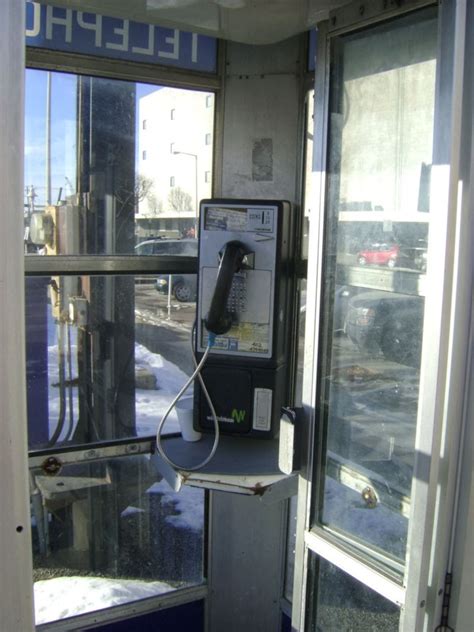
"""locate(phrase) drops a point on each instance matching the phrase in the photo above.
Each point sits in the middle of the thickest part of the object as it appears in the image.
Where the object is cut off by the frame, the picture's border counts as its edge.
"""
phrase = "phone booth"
(237, 315)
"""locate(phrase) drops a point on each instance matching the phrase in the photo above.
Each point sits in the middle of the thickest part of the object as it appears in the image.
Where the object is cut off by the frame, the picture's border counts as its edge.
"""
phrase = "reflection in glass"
(105, 355)
(339, 603)
(381, 128)
(99, 175)
(107, 533)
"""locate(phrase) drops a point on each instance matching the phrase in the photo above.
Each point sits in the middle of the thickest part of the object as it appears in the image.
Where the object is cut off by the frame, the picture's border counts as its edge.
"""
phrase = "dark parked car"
(414, 257)
(387, 322)
(183, 286)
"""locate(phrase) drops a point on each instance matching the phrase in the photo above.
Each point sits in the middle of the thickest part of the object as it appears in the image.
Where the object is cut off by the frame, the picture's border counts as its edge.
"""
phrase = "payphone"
(244, 318)
(244, 308)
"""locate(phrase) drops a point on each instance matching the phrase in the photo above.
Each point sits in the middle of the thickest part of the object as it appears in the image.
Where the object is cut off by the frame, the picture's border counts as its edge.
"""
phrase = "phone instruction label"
(233, 219)
(242, 338)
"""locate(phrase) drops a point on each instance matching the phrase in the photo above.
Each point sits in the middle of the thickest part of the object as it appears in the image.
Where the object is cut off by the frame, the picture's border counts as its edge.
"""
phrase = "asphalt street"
(164, 326)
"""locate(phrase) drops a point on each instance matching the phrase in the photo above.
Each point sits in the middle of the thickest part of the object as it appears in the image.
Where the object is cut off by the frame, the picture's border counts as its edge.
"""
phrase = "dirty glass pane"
(111, 167)
(377, 230)
(111, 532)
(339, 603)
(105, 355)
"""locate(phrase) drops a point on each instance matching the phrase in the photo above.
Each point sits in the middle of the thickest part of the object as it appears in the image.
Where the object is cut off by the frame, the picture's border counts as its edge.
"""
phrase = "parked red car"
(380, 254)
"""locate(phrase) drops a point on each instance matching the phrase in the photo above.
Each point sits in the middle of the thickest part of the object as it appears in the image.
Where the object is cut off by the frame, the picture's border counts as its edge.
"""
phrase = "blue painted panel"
(36, 331)
(186, 618)
(62, 29)
(285, 623)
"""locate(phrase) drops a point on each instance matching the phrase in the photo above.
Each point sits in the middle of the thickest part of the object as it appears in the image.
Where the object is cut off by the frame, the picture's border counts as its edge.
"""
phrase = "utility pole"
(186, 153)
(48, 138)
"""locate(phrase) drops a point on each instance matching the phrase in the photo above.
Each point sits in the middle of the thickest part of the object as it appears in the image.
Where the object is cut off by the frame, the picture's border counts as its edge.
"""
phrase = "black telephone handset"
(219, 319)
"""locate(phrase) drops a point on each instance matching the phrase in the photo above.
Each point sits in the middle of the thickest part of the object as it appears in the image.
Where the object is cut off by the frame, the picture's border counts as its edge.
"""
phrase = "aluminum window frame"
(78, 64)
(130, 265)
(426, 526)
(136, 72)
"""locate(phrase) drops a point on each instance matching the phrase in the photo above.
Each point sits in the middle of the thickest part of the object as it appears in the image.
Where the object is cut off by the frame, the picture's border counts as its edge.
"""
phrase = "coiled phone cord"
(196, 373)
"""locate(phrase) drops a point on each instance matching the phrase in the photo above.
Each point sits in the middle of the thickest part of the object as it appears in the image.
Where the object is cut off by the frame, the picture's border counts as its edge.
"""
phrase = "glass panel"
(381, 128)
(108, 533)
(99, 174)
(105, 355)
(339, 603)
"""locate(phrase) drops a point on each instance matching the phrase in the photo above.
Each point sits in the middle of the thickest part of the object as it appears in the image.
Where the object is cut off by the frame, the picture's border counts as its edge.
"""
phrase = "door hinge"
(444, 625)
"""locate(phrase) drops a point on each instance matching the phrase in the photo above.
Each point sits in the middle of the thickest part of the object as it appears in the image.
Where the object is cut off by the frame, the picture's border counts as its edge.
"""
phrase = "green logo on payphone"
(238, 415)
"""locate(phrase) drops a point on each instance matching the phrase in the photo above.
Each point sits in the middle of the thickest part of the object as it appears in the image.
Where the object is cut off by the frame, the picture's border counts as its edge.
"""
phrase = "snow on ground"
(188, 502)
(150, 405)
(64, 597)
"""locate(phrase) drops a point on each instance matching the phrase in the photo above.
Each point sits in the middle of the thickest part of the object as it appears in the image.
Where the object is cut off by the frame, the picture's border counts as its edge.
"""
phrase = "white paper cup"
(184, 412)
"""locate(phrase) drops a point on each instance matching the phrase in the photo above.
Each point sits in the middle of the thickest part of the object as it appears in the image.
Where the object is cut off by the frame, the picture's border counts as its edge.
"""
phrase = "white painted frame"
(16, 595)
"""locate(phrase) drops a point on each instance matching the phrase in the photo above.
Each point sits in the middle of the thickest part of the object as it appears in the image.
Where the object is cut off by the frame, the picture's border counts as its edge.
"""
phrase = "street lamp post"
(186, 153)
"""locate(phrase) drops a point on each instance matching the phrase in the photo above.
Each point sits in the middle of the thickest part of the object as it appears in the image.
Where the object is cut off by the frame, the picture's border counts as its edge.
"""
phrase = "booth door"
(377, 320)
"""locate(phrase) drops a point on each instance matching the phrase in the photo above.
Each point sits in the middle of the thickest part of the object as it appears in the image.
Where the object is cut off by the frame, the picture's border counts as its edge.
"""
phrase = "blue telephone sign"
(68, 30)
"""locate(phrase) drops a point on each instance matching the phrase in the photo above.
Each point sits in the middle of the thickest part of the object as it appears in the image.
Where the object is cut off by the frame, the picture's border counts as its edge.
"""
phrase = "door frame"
(444, 369)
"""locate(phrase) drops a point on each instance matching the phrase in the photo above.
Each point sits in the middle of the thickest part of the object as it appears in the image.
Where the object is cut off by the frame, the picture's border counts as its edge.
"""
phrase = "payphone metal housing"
(247, 372)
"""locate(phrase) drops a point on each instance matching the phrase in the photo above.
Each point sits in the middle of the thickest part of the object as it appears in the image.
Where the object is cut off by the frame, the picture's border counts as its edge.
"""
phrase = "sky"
(63, 131)
(63, 143)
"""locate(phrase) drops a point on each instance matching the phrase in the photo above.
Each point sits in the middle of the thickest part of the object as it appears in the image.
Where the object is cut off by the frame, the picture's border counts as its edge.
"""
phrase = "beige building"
(174, 160)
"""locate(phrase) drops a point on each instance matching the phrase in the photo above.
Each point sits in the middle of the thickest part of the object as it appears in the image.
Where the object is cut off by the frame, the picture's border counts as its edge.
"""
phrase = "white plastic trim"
(16, 595)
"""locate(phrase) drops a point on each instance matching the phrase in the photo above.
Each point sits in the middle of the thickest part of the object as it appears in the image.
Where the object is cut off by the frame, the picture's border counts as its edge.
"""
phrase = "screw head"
(51, 466)
(369, 497)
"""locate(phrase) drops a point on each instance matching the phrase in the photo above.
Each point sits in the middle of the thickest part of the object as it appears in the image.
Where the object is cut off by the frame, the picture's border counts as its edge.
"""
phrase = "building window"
(209, 100)
(207, 176)
(208, 139)
(173, 114)
(144, 154)
(144, 124)
(172, 181)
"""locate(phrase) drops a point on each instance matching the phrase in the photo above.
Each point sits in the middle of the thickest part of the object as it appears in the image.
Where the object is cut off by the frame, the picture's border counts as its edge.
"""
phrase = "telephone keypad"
(237, 301)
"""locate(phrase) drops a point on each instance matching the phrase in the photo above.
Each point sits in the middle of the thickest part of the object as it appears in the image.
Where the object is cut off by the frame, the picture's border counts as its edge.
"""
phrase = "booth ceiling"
(246, 21)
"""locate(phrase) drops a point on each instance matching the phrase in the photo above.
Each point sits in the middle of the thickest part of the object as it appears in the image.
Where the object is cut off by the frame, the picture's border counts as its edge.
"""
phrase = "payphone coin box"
(247, 370)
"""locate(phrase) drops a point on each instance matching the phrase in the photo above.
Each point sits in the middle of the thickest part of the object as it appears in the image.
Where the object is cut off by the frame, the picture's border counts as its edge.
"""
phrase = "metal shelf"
(241, 466)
